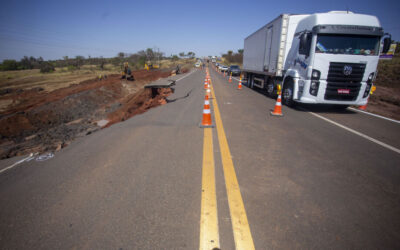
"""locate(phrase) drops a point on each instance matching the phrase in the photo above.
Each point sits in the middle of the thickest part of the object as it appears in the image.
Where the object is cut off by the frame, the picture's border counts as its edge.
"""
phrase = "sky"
(53, 29)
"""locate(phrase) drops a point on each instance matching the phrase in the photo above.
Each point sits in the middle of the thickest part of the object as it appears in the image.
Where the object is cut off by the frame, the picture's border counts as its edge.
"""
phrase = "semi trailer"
(322, 58)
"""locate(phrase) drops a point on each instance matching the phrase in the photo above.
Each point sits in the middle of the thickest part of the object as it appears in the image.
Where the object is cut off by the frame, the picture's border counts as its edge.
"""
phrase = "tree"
(79, 60)
(182, 54)
(46, 67)
(175, 58)
(240, 51)
(191, 54)
(150, 54)
(121, 55)
(26, 63)
(9, 65)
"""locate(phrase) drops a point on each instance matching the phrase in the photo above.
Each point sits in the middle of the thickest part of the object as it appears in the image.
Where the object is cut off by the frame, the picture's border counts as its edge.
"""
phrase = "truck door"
(268, 45)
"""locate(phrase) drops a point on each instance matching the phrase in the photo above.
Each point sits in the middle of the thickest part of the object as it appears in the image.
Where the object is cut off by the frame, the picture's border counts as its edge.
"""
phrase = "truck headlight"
(315, 75)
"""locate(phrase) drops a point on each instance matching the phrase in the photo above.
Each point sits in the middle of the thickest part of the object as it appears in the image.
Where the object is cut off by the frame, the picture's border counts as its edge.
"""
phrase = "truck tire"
(270, 89)
(250, 80)
(287, 93)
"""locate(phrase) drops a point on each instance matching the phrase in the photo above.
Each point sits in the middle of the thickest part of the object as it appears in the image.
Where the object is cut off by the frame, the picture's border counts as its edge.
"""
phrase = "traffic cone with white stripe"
(205, 83)
(230, 77)
(208, 92)
(206, 122)
(363, 107)
(278, 107)
(240, 83)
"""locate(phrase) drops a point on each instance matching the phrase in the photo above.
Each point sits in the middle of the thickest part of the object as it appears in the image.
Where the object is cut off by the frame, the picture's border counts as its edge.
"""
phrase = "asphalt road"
(303, 181)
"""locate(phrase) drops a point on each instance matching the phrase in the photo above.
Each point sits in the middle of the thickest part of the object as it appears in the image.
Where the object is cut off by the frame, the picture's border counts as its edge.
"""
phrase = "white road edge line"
(379, 116)
(30, 157)
(357, 133)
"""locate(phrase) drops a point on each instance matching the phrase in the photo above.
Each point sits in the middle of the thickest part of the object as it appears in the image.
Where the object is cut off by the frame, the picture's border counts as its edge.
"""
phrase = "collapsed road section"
(40, 121)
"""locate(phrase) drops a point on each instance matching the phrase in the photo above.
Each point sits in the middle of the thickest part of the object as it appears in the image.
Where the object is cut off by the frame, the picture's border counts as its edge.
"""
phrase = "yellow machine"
(127, 73)
(148, 66)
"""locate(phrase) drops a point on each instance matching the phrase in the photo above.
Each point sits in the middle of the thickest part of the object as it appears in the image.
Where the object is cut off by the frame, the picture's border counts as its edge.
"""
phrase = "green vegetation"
(233, 58)
(389, 73)
(136, 61)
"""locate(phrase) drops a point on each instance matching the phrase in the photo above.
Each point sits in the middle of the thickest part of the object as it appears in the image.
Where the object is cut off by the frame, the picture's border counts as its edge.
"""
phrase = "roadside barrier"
(230, 77)
(206, 121)
(240, 83)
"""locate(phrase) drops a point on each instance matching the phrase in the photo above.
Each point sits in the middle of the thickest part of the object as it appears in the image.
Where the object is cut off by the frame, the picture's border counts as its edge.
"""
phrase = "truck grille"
(337, 80)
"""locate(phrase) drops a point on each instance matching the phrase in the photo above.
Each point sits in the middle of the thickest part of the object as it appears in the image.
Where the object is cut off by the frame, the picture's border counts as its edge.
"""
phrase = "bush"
(71, 67)
(46, 67)
(9, 65)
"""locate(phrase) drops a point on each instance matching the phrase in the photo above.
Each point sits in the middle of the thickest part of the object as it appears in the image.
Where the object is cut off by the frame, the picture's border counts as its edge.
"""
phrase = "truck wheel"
(250, 81)
(270, 89)
(287, 93)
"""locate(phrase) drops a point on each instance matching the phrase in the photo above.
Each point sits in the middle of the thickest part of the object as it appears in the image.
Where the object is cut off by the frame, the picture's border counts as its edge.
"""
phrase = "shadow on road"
(316, 108)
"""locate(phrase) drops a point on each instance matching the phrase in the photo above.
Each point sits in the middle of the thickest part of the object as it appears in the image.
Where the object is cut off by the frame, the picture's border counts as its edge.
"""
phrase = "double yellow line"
(209, 235)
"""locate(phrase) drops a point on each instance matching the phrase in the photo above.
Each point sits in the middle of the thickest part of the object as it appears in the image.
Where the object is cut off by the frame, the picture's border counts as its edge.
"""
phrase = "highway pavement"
(316, 178)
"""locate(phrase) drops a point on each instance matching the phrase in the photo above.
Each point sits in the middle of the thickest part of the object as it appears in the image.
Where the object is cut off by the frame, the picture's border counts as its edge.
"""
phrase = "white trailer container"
(318, 58)
(266, 49)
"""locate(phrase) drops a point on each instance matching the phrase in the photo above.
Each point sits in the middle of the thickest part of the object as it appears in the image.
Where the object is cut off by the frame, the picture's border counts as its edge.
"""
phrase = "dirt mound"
(38, 121)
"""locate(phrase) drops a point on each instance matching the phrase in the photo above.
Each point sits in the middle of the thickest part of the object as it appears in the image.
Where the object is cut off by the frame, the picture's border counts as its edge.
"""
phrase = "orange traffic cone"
(363, 107)
(208, 91)
(205, 83)
(224, 73)
(278, 107)
(230, 77)
(206, 122)
(240, 83)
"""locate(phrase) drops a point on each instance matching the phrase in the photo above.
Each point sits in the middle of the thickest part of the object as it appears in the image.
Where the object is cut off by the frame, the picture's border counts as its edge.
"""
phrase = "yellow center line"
(240, 225)
(209, 236)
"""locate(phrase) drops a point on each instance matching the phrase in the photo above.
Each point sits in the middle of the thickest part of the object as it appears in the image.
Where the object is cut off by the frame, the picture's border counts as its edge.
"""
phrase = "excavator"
(127, 73)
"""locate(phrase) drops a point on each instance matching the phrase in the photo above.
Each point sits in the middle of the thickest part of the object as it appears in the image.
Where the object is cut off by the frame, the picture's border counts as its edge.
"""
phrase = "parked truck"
(323, 58)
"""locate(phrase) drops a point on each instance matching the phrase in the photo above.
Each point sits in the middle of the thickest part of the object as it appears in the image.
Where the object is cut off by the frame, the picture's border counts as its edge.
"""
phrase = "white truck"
(322, 58)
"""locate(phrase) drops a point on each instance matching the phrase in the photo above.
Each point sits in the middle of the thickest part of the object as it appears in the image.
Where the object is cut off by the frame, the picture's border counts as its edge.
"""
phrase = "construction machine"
(149, 65)
(127, 73)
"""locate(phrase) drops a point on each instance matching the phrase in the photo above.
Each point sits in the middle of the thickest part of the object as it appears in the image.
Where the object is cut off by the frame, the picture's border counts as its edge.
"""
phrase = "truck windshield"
(347, 44)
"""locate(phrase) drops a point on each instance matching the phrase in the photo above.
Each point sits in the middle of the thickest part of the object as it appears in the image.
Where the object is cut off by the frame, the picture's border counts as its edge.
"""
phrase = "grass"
(62, 77)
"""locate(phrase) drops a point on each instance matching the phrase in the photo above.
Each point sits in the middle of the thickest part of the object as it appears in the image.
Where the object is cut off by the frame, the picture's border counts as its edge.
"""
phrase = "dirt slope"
(39, 121)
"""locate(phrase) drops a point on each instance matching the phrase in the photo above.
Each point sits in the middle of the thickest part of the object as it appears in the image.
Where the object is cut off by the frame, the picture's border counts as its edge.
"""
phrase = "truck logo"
(347, 70)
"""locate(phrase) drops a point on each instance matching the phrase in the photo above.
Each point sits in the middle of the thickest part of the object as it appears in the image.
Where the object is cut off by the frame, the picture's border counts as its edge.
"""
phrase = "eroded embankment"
(37, 121)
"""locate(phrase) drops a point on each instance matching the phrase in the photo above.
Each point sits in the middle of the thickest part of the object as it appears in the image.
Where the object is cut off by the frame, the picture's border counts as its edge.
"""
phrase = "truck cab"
(332, 59)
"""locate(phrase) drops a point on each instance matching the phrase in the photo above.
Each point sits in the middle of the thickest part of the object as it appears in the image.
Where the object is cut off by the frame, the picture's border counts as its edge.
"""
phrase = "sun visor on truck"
(348, 29)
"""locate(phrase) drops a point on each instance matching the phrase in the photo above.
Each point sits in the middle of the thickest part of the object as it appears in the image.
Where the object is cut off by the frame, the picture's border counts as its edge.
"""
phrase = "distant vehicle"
(323, 58)
(234, 69)
(223, 68)
(197, 65)
(216, 64)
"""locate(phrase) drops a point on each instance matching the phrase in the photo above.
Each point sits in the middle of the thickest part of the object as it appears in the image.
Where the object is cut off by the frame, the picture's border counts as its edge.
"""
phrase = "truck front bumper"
(302, 94)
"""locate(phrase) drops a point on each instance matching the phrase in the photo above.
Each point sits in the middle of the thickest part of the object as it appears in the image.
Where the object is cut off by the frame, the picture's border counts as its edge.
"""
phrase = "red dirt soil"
(38, 121)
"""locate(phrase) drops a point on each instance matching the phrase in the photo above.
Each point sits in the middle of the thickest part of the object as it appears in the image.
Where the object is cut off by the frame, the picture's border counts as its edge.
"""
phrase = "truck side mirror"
(386, 44)
(305, 44)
